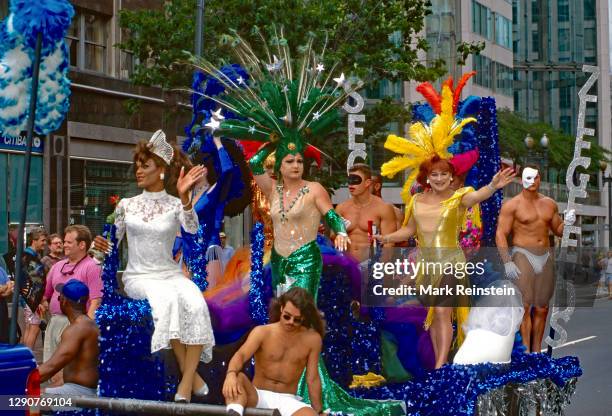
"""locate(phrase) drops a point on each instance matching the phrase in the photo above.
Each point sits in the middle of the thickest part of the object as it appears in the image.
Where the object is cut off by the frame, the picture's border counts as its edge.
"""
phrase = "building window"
(4, 8)
(11, 185)
(589, 9)
(564, 40)
(590, 120)
(126, 58)
(535, 42)
(517, 100)
(504, 78)
(385, 88)
(92, 183)
(563, 11)
(535, 11)
(590, 39)
(95, 43)
(503, 31)
(483, 68)
(87, 42)
(72, 41)
(481, 20)
(565, 97)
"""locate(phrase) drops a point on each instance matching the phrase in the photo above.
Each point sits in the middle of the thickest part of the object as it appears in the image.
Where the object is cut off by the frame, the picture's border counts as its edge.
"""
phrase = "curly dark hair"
(142, 153)
(302, 300)
(235, 205)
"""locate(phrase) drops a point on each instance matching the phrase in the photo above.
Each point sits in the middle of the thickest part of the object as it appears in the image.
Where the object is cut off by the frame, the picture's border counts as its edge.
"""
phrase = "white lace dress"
(152, 220)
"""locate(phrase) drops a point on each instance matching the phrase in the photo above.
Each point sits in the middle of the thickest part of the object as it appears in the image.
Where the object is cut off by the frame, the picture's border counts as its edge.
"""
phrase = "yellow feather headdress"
(426, 140)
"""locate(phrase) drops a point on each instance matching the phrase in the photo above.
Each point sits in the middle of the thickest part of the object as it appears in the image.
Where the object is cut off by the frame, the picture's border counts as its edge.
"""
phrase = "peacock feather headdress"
(285, 107)
(426, 140)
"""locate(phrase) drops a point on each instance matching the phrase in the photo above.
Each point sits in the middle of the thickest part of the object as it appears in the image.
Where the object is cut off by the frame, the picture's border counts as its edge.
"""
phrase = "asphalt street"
(589, 337)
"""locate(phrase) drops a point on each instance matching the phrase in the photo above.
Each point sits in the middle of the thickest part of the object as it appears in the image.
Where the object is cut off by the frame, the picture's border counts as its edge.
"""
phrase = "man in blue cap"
(77, 352)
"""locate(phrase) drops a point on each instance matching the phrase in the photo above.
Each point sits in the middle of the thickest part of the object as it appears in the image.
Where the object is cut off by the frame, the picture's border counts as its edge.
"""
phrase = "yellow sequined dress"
(437, 231)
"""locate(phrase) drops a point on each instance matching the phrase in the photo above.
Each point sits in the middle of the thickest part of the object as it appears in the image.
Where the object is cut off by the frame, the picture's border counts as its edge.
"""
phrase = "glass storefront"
(11, 183)
(92, 184)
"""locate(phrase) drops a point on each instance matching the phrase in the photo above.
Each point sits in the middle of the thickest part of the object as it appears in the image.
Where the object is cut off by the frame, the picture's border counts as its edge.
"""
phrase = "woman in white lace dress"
(151, 221)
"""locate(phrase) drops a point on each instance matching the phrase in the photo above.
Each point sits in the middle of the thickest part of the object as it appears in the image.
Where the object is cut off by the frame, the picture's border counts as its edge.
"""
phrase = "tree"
(512, 132)
(369, 39)
(372, 40)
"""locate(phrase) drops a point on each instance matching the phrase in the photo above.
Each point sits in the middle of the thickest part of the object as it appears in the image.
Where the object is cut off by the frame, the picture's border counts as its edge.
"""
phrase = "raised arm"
(220, 189)
(313, 381)
(263, 180)
(231, 387)
(501, 179)
(187, 215)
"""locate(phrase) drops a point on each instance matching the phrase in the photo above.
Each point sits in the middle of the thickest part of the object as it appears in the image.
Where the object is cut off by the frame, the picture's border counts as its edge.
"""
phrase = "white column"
(604, 128)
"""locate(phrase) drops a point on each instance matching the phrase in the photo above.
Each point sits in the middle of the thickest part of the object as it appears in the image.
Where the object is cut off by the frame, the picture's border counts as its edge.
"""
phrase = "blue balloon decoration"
(18, 34)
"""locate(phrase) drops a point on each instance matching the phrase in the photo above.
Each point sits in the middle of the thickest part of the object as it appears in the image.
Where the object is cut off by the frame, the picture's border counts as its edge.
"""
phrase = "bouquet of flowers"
(469, 238)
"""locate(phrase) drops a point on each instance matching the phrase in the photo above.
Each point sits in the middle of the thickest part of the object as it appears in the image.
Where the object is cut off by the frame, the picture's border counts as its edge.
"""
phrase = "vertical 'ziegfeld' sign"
(574, 191)
(356, 149)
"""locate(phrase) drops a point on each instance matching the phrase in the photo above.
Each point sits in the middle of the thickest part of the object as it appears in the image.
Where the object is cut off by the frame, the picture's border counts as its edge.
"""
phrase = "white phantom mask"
(529, 177)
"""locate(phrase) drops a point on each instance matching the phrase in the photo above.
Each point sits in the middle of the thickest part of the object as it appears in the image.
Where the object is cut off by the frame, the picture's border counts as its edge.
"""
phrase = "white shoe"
(202, 391)
(180, 399)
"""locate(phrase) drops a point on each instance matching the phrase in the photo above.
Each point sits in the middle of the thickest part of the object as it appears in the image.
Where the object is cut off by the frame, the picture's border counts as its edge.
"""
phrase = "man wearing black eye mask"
(364, 207)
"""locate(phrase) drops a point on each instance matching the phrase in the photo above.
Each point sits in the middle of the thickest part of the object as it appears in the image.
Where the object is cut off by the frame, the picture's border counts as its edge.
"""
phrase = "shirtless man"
(363, 207)
(377, 191)
(529, 217)
(77, 352)
(282, 349)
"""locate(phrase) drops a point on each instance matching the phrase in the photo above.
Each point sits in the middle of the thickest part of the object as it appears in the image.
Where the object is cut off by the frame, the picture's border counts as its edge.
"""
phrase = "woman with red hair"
(435, 217)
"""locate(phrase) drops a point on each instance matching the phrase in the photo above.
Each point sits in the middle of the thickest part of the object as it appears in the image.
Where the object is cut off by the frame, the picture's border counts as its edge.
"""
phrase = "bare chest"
(361, 216)
(281, 351)
(532, 213)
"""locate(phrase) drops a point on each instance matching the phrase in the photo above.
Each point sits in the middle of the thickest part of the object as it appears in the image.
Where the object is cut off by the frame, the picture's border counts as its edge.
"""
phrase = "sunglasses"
(68, 269)
(354, 179)
(298, 320)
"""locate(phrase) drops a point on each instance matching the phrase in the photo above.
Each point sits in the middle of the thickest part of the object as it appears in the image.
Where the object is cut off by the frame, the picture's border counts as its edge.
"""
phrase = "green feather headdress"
(277, 104)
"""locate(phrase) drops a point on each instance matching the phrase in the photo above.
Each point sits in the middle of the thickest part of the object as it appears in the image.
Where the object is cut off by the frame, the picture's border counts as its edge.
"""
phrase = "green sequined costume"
(287, 109)
(296, 261)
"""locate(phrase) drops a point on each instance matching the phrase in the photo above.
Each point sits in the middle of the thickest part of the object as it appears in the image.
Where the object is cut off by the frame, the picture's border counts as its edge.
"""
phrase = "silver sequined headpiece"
(159, 146)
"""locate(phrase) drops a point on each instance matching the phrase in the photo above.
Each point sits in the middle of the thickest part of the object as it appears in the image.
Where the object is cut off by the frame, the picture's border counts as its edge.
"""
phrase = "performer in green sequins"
(296, 207)
(286, 104)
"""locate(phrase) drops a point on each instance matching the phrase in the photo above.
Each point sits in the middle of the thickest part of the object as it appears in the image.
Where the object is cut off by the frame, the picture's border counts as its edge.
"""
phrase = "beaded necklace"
(283, 213)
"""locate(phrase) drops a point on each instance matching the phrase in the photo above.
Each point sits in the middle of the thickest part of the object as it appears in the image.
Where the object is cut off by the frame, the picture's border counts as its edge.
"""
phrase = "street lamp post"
(603, 166)
(544, 145)
(199, 27)
(538, 158)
